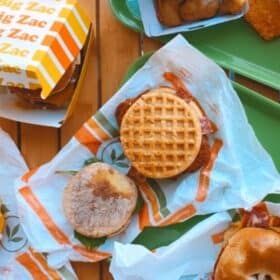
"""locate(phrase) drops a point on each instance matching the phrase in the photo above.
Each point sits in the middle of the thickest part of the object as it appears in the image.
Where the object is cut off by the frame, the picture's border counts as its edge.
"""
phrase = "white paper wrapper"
(153, 27)
(191, 257)
(242, 172)
(17, 259)
(194, 253)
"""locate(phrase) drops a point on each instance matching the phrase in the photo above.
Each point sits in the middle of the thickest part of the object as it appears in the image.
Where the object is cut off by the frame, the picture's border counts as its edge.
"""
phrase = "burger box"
(154, 28)
(39, 40)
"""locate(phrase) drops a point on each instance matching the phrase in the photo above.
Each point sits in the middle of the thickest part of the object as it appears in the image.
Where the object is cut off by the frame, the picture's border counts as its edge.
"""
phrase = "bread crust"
(167, 138)
(99, 201)
(249, 251)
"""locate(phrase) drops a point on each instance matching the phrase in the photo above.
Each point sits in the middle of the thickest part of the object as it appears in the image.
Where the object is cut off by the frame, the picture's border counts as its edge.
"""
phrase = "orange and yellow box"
(39, 40)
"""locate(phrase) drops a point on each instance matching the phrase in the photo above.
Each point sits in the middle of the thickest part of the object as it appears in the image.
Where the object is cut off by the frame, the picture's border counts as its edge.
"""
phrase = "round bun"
(160, 134)
(250, 252)
(60, 96)
(99, 201)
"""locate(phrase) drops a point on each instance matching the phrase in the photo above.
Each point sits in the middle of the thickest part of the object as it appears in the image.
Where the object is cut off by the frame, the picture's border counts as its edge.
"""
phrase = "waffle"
(161, 134)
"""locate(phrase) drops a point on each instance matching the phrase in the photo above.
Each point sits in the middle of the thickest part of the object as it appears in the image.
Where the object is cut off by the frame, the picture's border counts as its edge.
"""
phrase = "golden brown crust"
(232, 6)
(160, 134)
(99, 201)
(264, 16)
(193, 10)
(249, 252)
(203, 156)
(168, 12)
(60, 97)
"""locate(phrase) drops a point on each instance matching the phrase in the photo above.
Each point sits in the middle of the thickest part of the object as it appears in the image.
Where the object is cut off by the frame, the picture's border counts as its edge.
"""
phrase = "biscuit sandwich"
(61, 95)
(251, 248)
(99, 201)
(164, 131)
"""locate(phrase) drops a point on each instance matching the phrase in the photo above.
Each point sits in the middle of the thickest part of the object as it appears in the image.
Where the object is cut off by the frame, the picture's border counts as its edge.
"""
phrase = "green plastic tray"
(263, 115)
(233, 45)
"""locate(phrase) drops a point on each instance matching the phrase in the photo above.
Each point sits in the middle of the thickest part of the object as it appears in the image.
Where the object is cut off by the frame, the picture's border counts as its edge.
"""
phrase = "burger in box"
(43, 52)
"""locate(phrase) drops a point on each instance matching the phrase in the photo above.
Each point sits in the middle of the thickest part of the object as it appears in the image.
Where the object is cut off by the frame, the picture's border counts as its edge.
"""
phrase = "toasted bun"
(250, 252)
(160, 134)
(60, 97)
(99, 201)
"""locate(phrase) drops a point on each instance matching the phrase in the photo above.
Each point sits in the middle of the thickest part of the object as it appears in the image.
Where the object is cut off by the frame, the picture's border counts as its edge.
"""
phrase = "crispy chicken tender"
(232, 6)
(168, 12)
(192, 10)
(264, 16)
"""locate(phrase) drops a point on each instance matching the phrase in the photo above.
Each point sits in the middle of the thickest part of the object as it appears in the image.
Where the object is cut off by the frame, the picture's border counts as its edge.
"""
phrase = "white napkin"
(17, 259)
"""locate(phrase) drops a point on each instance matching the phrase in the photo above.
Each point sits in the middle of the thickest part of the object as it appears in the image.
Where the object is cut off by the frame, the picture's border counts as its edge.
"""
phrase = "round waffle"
(161, 134)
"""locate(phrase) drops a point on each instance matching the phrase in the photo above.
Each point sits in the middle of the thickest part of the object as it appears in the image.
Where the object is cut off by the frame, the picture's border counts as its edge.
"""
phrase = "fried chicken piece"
(168, 12)
(232, 6)
(192, 10)
(203, 156)
(264, 16)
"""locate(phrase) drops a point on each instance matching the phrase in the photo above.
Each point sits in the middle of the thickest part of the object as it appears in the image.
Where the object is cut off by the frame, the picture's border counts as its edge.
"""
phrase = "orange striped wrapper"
(38, 41)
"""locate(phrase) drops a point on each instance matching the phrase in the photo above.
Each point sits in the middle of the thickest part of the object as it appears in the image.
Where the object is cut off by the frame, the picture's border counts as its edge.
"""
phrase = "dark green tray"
(263, 115)
(233, 45)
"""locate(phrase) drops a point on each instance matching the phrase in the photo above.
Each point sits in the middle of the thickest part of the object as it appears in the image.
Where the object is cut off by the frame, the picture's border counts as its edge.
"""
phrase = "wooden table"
(115, 48)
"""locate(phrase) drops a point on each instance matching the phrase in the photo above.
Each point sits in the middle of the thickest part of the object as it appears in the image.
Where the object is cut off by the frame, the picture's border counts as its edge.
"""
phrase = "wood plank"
(149, 44)
(86, 271)
(11, 128)
(89, 97)
(119, 47)
(262, 89)
(106, 275)
(38, 144)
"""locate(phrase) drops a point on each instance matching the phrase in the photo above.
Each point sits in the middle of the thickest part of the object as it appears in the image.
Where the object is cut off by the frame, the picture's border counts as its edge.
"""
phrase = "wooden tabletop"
(115, 49)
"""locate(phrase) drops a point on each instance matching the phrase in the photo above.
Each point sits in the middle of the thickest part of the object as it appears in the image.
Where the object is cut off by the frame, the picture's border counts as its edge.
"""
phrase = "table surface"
(115, 49)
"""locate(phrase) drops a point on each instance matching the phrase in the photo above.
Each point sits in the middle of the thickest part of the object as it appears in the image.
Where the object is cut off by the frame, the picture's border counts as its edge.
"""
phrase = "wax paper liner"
(17, 259)
(239, 174)
(191, 257)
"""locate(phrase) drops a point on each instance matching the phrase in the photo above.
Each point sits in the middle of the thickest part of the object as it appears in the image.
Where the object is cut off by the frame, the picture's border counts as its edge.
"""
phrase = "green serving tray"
(233, 45)
(263, 115)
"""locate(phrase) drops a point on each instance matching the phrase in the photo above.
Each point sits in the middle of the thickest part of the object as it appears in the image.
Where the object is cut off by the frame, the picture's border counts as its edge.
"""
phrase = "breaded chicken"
(168, 12)
(192, 10)
(264, 16)
(232, 6)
